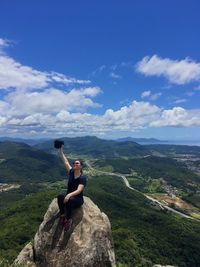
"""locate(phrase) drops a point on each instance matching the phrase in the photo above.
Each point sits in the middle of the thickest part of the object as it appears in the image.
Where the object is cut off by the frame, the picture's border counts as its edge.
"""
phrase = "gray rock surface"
(26, 256)
(87, 244)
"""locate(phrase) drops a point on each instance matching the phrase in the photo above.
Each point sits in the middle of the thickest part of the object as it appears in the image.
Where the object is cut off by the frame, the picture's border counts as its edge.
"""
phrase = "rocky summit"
(88, 243)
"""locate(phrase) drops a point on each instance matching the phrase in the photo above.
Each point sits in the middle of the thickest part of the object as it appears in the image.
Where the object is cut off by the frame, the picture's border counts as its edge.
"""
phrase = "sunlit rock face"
(87, 244)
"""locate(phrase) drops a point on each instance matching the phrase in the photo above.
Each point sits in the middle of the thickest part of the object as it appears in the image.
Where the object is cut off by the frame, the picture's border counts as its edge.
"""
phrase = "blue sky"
(105, 68)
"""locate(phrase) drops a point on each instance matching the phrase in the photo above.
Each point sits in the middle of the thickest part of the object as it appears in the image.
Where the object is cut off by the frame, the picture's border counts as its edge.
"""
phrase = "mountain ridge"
(142, 140)
(23, 163)
(94, 146)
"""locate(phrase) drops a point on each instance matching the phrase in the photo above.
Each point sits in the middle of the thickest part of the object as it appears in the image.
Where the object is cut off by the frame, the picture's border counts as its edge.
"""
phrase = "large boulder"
(87, 244)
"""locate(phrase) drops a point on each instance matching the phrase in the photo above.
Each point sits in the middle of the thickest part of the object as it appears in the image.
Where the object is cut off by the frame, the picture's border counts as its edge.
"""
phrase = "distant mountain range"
(143, 140)
(96, 147)
(30, 142)
(25, 163)
(100, 148)
(22, 163)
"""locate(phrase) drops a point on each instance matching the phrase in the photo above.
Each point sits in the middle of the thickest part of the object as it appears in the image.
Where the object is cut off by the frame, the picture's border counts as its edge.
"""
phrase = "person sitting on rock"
(74, 196)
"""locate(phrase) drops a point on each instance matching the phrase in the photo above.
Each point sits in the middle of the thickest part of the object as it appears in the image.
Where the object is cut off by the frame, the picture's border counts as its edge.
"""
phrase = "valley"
(161, 201)
(140, 188)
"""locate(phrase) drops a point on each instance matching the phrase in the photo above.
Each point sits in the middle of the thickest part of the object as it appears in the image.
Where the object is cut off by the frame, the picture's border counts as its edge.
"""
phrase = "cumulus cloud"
(77, 122)
(176, 71)
(15, 75)
(33, 105)
(51, 100)
(178, 117)
(33, 101)
(136, 116)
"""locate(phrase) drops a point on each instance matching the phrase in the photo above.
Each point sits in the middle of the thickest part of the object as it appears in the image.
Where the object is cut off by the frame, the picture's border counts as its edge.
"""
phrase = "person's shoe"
(67, 224)
(62, 220)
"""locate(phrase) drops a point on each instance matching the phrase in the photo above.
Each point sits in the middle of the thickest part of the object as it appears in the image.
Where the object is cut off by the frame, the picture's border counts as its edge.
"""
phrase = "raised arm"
(65, 160)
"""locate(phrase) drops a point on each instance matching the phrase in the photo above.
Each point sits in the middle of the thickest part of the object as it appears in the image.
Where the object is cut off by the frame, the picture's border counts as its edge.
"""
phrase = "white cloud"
(15, 75)
(115, 76)
(34, 105)
(89, 91)
(3, 43)
(61, 78)
(177, 117)
(155, 96)
(178, 101)
(133, 117)
(130, 117)
(4, 106)
(31, 103)
(98, 70)
(145, 94)
(176, 71)
(23, 103)
(149, 95)
(2, 120)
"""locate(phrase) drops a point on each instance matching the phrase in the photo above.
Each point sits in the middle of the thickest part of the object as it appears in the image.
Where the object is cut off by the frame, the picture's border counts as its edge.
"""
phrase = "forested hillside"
(171, 150)
(96, 147)
(143, 234)
(175, 173)
(21, 163)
